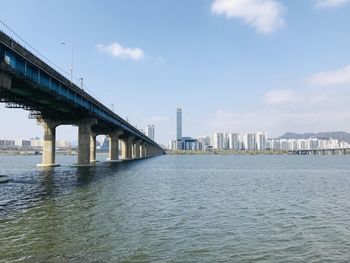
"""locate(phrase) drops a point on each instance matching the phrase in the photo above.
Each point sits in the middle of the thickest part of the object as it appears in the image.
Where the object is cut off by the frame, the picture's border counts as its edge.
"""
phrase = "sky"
(231, 65)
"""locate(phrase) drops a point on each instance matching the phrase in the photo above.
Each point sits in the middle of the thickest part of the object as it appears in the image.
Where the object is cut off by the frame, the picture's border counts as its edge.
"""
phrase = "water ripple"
(178, 209)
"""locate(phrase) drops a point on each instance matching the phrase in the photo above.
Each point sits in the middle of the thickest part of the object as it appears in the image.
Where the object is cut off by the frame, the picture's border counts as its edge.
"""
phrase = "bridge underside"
(51, 111)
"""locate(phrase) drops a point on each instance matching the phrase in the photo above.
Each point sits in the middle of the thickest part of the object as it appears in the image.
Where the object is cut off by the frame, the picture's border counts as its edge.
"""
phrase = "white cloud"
(264, 15)
(336, 77)
(280, 96)
(118, 51)
(330, 3)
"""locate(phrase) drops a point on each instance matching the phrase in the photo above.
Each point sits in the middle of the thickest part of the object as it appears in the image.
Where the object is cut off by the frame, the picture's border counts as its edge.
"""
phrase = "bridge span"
(28, 82)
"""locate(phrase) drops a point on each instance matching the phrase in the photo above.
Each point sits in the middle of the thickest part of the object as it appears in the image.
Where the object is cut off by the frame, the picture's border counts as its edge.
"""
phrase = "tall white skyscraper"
(150, 131)
(234, 141)
(261, 139)
(179, 128)
(251, 141)
(172, 145)
(218, 140)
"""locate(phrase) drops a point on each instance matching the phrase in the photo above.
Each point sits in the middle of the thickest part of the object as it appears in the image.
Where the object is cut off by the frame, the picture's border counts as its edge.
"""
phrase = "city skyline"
(239, 71)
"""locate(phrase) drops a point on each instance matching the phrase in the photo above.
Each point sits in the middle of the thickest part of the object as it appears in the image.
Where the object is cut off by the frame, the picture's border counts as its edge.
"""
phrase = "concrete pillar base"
(49, 145)
(48, 165)
(83, 165)
(113, 161)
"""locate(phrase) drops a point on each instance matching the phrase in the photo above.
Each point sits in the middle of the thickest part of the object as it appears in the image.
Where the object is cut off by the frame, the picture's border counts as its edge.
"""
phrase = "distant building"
(251, 142)
(173, 145)
(204, 143)
(105, 145)
(189, 144)
(63, 144)
(218, 141)
(7, 144)
(305, 144)
(179, 128)
(234, 141)
(25, 144)
(261, 139)
(36, 142)
(150, 131)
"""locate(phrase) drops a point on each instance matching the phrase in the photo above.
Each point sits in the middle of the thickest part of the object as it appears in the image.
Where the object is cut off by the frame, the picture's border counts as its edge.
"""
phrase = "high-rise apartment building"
(218, 141)
(150, 131)
(179, 128)
(204, 143)
(234, 141)
(172, 145)
(251, 141)
(261, 139)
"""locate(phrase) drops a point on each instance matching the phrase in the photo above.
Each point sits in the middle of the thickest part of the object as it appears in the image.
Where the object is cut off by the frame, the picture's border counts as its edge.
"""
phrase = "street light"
(71, 61)
(113, 99)
(82, 83)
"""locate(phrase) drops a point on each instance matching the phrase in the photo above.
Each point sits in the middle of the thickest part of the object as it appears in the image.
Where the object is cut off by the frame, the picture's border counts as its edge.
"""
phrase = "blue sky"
(231, 65)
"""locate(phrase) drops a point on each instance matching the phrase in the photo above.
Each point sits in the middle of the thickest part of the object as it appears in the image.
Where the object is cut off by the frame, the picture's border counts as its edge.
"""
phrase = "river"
(177, 209)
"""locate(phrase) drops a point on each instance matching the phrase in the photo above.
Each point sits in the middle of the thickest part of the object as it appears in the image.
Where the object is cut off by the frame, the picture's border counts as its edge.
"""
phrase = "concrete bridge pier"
(49, 145)
(152, 151)
(136, 149)
(142, 150)
(148, 151)
(93, 136)
(127, 147)
(114, 145)
(84, 140)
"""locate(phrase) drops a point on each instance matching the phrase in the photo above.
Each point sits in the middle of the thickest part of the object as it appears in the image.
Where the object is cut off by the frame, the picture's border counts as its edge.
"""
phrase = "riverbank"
(228, 152)
(4, 153)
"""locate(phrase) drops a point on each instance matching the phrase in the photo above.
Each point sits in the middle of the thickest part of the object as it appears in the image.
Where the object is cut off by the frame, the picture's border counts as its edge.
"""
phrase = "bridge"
(27, 82)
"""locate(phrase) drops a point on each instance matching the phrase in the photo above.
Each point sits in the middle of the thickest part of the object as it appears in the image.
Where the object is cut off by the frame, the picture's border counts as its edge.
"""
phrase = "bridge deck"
(37, 86)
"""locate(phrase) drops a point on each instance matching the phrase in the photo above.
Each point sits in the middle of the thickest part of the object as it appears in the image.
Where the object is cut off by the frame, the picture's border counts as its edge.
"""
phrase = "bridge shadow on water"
(31, 189)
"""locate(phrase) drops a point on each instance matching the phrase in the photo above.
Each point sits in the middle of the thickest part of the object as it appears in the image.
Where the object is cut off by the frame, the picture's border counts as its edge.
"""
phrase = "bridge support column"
(93, 136)
(143, 150)
(127, 148)
(114, 145)
(49, 145)
(148, 151)
(84, 135)
(136, 151)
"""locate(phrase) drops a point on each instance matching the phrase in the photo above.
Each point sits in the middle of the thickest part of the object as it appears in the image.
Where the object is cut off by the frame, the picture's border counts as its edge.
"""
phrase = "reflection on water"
(177, 209)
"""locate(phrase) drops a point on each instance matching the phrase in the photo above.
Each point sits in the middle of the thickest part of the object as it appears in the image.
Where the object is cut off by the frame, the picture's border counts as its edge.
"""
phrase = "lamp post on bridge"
(71, 60)
(113, 99)
(82, 83)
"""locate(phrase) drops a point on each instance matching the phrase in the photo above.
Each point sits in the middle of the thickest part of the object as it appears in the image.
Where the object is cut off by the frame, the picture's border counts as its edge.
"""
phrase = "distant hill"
(341, 136)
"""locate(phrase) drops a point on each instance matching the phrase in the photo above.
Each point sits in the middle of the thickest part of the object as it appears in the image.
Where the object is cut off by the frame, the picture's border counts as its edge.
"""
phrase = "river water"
(177, 209)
